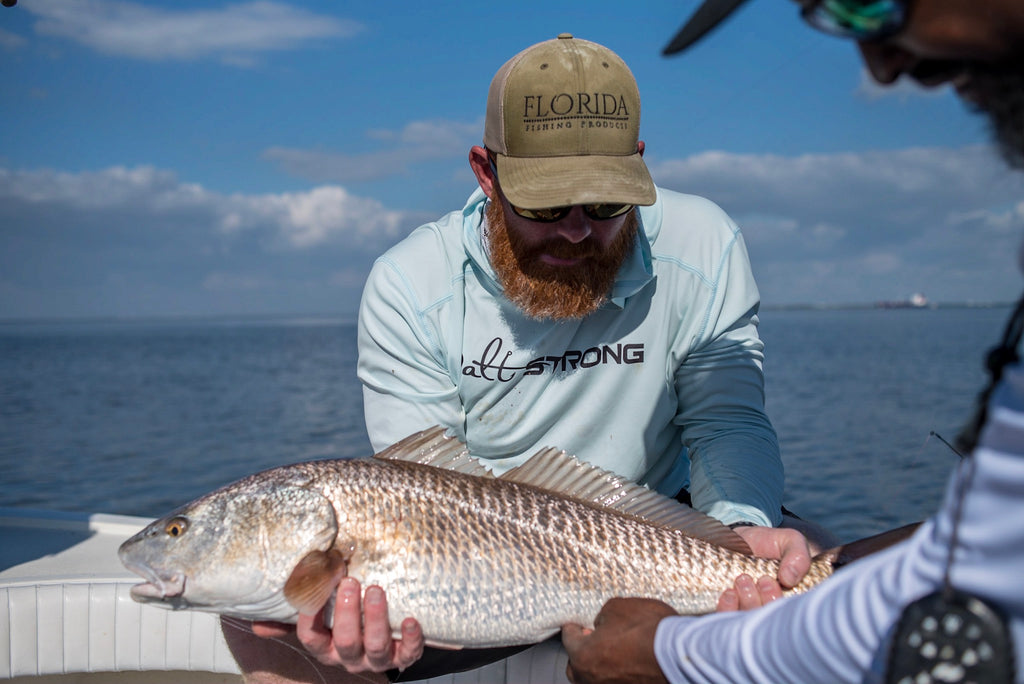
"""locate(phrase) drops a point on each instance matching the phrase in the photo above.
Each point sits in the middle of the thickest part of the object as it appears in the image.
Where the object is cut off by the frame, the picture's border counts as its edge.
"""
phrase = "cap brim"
(707, 17)
(541, 182)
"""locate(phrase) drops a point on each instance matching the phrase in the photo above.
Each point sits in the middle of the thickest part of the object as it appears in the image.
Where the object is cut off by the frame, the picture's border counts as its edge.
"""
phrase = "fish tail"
(844, 554)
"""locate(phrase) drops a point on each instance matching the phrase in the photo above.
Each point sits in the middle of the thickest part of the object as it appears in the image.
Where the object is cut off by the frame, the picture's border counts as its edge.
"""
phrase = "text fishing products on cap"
(563, 120)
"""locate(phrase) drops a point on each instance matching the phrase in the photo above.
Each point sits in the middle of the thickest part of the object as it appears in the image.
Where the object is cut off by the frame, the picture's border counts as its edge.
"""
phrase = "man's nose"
(885, 62)
(575, 227)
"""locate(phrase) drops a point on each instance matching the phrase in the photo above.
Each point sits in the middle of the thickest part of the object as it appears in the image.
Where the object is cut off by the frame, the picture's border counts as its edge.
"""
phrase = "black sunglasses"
(597, 212)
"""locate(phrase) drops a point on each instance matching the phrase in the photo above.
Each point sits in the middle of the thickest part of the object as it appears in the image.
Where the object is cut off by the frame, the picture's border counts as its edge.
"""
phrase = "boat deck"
(67, 616)
(66, 611)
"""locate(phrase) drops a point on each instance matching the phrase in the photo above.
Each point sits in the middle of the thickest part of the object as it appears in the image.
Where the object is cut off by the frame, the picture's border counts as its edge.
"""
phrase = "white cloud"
(131, 241)
(993, 220)
(878, 263)
(417, 142)
(867, 226)
(308, 219)
(322, 166)
(231, 282)
(233, 33)
(767, 230)
(11, 41)
(300, 220)
(820, 229)
(894, 185)
(114, 187)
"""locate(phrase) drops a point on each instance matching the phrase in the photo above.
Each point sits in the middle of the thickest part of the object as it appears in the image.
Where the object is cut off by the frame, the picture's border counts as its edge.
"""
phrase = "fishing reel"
(950, 636)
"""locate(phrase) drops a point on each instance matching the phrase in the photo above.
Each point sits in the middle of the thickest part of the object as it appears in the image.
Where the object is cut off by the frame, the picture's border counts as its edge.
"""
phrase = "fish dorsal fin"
(556, 471)
(434, 447)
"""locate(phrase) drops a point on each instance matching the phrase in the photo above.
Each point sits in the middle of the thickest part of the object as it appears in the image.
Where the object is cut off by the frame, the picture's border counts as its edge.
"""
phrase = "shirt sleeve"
(402, 365)
(839, 631)
(736, 472)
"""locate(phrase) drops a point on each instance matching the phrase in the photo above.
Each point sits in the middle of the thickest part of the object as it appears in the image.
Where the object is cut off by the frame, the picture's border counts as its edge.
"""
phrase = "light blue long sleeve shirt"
(672, 360)
(840, 631)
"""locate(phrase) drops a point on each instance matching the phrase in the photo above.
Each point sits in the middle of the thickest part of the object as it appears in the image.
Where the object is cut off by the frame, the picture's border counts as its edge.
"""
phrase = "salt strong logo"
(492, 365)
(564, 110)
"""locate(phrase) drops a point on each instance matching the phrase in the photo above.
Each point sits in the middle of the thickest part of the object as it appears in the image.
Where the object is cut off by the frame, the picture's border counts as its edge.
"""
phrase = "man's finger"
(271, 630)
(747, 591)
(315, 637)
(410, 648)
(795, 564)
(768, 589)
(347, 631)
(728, 601)
(377, 643)
(572, 637)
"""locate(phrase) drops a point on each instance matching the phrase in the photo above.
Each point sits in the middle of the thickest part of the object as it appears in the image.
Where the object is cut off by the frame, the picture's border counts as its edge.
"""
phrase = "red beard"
(543, 291)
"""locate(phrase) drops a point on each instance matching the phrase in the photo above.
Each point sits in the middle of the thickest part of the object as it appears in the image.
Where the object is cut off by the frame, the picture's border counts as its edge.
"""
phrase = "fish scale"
(479, 561)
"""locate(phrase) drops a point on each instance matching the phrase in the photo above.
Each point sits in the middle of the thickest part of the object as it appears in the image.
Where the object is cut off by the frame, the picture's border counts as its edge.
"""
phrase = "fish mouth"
(157, 588)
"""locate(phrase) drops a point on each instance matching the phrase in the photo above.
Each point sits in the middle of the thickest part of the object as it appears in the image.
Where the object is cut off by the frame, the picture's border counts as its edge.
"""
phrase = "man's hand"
(620, 648)
(360, 638)
(788, 545)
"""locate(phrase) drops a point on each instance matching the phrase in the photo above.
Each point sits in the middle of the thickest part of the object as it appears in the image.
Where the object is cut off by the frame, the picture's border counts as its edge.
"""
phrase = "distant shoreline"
(350, 319)
(901, 306)
(173, 319)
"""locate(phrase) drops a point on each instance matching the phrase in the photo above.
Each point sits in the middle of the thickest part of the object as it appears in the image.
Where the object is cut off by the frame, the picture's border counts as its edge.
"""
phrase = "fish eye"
(176, 527)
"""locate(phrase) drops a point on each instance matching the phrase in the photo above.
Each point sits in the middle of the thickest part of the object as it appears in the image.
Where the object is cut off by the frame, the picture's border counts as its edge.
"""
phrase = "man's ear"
(640, 147)
(481, 165)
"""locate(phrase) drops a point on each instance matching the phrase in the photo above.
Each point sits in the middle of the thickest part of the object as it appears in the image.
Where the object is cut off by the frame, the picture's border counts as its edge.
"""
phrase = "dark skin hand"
(620, 648)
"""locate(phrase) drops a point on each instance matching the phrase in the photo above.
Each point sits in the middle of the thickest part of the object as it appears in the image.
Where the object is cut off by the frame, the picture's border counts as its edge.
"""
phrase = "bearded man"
(570, 303)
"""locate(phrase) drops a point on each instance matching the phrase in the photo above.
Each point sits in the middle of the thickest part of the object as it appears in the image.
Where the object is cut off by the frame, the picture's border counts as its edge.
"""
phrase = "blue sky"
(222, 158)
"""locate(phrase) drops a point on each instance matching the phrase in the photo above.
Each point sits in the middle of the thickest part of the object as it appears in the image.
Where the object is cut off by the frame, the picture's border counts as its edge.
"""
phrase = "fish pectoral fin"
(314, 579)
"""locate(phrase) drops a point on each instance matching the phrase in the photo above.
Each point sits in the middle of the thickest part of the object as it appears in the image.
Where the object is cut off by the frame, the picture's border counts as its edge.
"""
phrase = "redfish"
(479, 560)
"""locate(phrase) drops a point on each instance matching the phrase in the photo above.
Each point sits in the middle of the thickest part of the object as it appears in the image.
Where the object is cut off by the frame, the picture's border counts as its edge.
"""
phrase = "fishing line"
(919, 461)
(951, 635)
(942, 439)
(997, 358)
(246, 628)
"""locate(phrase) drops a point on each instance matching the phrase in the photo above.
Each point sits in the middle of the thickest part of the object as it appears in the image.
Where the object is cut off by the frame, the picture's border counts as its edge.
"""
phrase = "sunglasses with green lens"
(862, 20)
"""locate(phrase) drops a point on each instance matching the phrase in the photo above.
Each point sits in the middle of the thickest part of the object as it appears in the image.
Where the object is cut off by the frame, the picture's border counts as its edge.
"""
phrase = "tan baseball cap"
(563, 119)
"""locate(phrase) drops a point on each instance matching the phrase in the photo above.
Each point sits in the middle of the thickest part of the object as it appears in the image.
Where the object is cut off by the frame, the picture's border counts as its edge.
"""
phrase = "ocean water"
(855, 396)
(137, 417)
